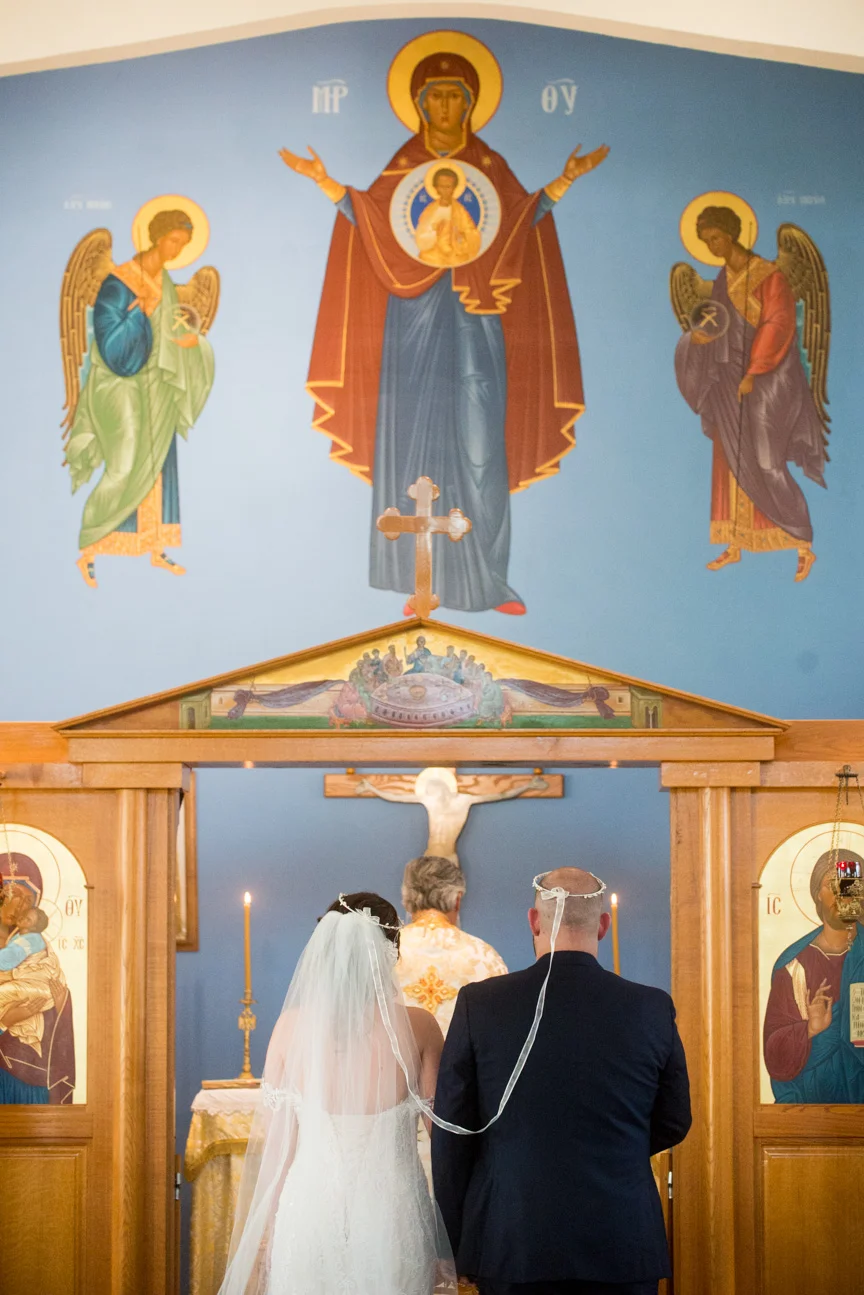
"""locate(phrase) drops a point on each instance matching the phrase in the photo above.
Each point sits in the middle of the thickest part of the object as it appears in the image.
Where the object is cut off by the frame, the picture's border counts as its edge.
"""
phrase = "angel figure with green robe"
(138, 371)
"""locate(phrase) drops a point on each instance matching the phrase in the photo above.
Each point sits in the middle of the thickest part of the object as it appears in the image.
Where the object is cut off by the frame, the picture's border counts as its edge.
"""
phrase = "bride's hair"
(378, 908)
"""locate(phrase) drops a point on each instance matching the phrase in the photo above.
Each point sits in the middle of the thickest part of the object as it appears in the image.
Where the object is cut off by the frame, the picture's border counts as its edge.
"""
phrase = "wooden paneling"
(31, 743)
(130, 1070)
(216, 747)
(713, 1204)
(822, 739)
(809, 1122)
(85, 821)
(126, 843)
(813, 1224)
(704, 1233)
(711, 775)
(160, 1116)
(801, 773)
(42, 1208)
(46, 777)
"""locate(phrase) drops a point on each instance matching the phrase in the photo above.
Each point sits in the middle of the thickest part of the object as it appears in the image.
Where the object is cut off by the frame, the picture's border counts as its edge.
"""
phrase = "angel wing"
(202, 294)
(87, 269)
(687, 289)
(800, 262)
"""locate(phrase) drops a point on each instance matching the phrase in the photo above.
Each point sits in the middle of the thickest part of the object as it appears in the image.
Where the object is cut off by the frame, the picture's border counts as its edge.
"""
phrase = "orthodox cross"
(423, 525)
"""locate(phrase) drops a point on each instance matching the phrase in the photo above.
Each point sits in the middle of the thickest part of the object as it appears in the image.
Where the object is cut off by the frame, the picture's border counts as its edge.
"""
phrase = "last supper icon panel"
(425, 679)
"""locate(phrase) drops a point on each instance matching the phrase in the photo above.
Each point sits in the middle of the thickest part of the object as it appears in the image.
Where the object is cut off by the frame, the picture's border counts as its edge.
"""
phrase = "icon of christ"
(463, 369)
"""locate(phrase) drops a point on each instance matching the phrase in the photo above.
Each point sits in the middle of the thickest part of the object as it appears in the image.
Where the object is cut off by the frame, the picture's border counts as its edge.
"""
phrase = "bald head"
(579, 914)
(583, 922)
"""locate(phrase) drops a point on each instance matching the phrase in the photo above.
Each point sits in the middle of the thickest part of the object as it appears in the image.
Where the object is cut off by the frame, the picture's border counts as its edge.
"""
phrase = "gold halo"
(717, 198)
(173, 202)
(444, 42)
(445, 164)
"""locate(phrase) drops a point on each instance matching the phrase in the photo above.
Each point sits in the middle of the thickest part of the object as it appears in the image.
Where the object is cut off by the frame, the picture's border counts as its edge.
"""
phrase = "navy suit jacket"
(561, 1188)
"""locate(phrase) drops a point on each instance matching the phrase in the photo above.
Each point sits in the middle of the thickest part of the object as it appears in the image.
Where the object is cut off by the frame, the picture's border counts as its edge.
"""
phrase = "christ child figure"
(446, 234)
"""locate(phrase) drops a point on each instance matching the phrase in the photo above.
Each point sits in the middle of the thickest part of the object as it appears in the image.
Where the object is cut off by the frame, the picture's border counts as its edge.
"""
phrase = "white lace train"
(354, 1215)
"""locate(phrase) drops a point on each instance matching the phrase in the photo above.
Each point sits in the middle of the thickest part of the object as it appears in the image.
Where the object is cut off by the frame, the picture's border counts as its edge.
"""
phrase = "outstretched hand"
(312, 167)
(580, 164)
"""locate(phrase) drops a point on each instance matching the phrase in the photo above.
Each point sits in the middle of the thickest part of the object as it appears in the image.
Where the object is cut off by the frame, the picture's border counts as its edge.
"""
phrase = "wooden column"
(130, 1111)
(703, 989)
(143, 1240)
(160, 1235)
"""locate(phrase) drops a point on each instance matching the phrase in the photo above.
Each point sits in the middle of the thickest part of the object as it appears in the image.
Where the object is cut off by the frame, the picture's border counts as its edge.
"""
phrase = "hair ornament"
(368, 914)
(558, 892)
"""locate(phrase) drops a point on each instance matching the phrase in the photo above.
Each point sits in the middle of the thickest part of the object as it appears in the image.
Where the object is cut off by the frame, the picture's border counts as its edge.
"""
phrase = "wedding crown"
(367, 913)
(558, 892)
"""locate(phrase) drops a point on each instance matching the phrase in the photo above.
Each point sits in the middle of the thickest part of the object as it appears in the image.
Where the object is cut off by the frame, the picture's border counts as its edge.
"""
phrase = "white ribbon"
(559, 895)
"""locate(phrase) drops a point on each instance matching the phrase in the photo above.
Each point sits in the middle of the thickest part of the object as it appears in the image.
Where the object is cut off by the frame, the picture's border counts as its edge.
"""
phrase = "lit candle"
(247, 906)
(616, 952)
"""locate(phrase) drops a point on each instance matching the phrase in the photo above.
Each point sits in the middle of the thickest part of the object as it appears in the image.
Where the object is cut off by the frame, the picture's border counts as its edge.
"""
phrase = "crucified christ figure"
(447, 807)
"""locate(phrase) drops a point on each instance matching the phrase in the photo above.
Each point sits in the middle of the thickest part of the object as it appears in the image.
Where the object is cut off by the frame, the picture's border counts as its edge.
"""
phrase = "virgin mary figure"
(466, 372)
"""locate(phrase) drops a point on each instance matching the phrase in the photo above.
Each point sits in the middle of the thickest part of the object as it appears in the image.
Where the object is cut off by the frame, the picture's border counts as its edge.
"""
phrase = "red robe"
(771, 307)
(520, 277)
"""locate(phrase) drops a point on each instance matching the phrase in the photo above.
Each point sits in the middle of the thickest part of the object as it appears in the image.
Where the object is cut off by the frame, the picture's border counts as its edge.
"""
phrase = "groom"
(558, 1197)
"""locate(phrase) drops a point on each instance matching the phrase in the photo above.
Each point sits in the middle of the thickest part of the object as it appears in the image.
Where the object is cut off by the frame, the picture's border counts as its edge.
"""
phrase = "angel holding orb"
(753, 362)
(138, 371)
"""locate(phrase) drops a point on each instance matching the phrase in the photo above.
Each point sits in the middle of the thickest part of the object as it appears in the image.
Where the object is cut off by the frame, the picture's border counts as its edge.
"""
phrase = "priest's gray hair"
(582, 911)
(432, 881)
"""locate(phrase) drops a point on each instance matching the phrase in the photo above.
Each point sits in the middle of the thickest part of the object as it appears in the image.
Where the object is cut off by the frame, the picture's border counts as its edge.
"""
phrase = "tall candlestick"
(246, 1020)
(247, 946)
(616, 952)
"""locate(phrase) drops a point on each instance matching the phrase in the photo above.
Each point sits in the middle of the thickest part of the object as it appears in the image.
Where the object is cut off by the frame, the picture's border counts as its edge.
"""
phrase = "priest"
(436, 957)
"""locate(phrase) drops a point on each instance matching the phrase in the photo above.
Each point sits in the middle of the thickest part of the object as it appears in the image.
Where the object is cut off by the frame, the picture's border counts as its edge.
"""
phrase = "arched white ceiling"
(55, 33)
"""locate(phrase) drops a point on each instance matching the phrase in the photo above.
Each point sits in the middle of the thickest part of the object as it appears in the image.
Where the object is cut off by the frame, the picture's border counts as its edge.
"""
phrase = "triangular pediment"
(422, 676)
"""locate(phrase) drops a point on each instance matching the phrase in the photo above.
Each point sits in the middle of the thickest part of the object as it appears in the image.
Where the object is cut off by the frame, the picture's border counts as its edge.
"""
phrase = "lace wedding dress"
(333, 1199)
(354, 1216)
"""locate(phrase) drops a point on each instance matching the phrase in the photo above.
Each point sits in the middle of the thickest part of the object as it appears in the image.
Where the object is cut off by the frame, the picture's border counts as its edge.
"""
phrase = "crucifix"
(447, 797)
(423, 525)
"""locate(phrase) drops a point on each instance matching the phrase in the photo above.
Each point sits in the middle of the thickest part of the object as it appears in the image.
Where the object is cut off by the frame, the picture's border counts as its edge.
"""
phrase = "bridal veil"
(354, 1213)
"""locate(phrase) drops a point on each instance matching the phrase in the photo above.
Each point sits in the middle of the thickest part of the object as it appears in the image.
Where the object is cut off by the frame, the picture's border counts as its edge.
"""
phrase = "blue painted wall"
(610, 555)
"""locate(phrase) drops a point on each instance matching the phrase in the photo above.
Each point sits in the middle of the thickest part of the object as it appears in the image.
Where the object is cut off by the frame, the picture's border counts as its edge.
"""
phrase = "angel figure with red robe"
(753, 363)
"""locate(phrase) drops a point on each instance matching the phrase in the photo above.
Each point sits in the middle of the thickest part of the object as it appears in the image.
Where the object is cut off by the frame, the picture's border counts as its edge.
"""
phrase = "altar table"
(221, 1121)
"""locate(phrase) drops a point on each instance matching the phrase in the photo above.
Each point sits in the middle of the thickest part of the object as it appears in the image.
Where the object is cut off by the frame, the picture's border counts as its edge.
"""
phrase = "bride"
(333, 1199)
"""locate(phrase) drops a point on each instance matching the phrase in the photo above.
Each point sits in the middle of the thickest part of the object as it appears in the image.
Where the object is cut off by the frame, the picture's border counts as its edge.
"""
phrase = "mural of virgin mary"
(467, 373)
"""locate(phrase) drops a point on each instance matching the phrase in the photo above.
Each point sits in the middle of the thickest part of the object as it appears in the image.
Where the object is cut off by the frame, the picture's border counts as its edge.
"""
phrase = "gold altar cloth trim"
(221, 1122)
(215, 1134)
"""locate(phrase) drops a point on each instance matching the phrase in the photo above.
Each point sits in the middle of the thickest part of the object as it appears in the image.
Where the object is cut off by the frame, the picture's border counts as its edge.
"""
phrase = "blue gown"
(442, 405)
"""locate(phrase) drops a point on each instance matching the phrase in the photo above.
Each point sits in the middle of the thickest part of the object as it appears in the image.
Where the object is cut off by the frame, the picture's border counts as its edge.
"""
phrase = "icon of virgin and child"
(446, 347)
(37, 1046)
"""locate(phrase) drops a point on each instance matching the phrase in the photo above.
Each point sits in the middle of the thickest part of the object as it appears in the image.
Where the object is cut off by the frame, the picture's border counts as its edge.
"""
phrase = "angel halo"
(173, 202)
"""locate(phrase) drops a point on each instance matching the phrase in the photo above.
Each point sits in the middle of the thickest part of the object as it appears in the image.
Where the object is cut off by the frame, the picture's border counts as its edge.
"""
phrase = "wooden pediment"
(424, 677)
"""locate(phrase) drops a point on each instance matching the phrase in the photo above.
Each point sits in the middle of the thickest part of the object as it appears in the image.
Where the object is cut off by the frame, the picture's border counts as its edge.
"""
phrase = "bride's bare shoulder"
(424, 1026)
